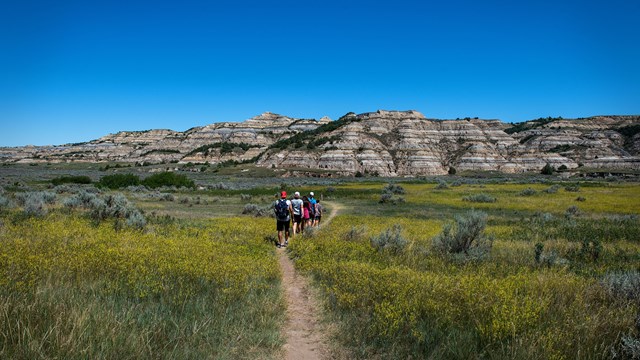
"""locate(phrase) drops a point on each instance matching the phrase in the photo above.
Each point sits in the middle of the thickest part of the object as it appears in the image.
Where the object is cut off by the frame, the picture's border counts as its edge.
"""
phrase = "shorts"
(318, 217)
(297, 218)
(282, 225)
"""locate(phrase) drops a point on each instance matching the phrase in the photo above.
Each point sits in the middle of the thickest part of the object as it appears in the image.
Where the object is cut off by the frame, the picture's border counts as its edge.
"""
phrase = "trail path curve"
(305, 336)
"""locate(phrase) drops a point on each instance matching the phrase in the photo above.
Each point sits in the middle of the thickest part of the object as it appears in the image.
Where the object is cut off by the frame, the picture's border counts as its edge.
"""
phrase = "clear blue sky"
(73, 71)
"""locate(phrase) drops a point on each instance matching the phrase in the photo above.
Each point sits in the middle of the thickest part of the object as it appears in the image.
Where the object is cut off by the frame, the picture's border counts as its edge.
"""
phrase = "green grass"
(73, 289)
(416, 303)
(186, 290)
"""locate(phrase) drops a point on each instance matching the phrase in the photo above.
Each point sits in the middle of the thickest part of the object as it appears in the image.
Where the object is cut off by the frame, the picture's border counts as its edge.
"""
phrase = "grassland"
(200, 281)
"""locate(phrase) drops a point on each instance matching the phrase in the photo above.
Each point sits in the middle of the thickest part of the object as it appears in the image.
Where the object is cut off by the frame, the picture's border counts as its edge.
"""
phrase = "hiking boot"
(278, 245)
(286, 243)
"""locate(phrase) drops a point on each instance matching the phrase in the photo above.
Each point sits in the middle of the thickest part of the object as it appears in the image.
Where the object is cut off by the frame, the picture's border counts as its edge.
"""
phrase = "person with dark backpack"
(312, 209)
(282, 208)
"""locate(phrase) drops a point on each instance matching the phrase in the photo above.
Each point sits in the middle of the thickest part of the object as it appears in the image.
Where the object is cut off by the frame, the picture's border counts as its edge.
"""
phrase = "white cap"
(311, 193)
(296, 194)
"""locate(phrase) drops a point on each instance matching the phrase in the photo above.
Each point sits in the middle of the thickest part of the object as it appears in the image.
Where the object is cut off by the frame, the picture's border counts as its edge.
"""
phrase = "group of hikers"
(305, 212)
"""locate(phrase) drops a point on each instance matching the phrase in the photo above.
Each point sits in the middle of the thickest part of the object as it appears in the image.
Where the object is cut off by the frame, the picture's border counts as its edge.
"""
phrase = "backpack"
(282, 210)
(312, 208)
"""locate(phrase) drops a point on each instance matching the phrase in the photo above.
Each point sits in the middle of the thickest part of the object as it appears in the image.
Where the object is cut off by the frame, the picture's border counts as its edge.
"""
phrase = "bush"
(480, 198)
(552, 189)
(528, 192)
(168, 179)
(393, 189)
(255, 210)
(81, 179)
(118, 181)
(5, 203)
(630, 347)
(245, 197)
(34, 205)
(136, 220)
(452, 170)
(572, 188)
(572, 211)
(442, 185)
(115, 206)
(167, 197)
(387, 198)
(355, 233)
(622, 285)
(581, 198)
(464, 238)
(390, 240)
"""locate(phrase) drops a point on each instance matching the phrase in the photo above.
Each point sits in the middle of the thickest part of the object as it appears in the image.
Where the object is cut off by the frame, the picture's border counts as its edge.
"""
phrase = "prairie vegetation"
(426, 273)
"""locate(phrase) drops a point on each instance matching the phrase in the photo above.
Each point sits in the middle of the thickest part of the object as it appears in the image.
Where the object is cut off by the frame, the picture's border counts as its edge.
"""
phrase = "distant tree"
(548, 170)
(452, 170)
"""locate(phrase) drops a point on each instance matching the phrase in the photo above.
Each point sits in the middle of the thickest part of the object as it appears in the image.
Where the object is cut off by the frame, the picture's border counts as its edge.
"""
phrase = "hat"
(311, 193)
(297, 194)
(283, 194)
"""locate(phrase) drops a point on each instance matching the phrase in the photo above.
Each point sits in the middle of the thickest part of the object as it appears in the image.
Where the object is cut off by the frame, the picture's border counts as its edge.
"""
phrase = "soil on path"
(306, 337)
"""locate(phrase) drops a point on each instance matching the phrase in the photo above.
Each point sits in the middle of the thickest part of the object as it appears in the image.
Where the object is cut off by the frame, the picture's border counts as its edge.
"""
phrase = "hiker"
(318, 213)
(305, 212)
(296, 205)
(312, 208)
(282, 208)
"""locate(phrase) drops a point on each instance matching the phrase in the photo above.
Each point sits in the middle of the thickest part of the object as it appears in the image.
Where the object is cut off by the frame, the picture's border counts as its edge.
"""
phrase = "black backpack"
(282, 210)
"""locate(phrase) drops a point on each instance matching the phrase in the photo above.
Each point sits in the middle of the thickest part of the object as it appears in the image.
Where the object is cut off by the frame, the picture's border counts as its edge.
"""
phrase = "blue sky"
(73, 71)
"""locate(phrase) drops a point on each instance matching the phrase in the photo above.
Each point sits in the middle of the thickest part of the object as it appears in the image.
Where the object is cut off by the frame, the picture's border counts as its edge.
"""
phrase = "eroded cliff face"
(405, 143)
(165, 146)
(387, 143)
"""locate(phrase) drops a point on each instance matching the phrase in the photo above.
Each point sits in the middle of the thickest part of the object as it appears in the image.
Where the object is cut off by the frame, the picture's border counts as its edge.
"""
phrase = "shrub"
(548, 170)
(255, 210)
(622, 285)
(245, 197)
(581, 198)
(80, 179)
(465, 237)
(220, 186)
(393, 189)
(5, 203)
(168, 179)
(528, 192)
(452, 170)
(355, 233)
(137, 188)
(385, 198)
(135, 219)
(167, 197)
(572, 188)
(630, 347)
(34, 205)
(390, 240)
(118, 181)
(480, 198)
(442, 185)
(115, 206)
(552, 189)
(572, 211)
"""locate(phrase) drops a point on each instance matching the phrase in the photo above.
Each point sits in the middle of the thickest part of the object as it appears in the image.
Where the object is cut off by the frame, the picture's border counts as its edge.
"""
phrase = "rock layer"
(386, 143)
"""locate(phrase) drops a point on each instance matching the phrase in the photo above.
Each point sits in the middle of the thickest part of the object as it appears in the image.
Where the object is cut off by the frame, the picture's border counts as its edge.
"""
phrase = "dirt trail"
(306, 338)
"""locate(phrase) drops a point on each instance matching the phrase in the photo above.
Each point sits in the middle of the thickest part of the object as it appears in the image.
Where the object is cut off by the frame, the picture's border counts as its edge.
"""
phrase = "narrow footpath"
(305, 336)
